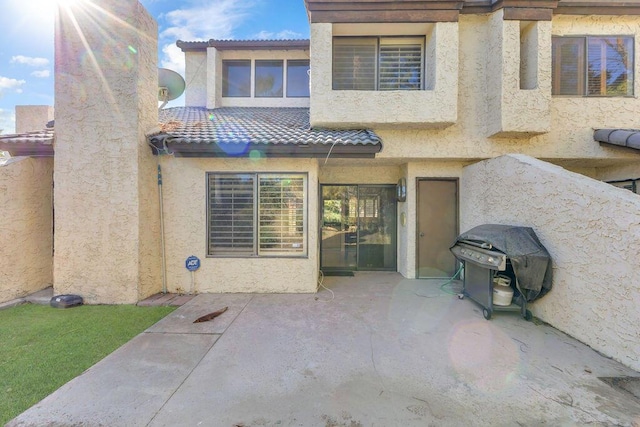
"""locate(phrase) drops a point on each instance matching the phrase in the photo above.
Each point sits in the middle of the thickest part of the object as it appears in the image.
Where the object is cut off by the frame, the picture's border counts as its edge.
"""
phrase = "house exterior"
(369, 147)
(480, 80)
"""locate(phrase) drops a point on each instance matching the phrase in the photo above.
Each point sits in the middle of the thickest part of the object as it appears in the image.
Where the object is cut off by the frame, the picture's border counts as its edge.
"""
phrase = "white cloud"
(282, 35)
(207, 20)
(199, 21)
(30, 61)
(10, 84)
(173, 58)
(41, 74)
(7, 121)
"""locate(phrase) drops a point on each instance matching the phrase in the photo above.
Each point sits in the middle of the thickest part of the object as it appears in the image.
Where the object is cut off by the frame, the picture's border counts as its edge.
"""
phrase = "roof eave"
(214, 150)
(293, 44)
(627, 138)
(27, 149)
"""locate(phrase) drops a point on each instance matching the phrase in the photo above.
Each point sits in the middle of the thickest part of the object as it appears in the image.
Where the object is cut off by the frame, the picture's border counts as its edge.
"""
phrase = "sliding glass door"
(358, 227)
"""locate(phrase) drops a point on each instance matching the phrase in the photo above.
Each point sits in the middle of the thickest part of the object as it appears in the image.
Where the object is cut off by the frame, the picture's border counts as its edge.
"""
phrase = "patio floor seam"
(199, 361)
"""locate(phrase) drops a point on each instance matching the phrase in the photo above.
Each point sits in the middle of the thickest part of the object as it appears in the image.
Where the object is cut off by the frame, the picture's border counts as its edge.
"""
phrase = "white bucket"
(502, 295)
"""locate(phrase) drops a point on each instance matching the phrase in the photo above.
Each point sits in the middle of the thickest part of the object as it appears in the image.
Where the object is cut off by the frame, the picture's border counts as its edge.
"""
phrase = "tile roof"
(629, 138)
(229, 131)
(236, 131)
(39, 143)
(244, 44)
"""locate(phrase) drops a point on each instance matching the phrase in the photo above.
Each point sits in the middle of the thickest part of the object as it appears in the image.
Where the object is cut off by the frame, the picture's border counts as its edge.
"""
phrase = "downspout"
(164, 259)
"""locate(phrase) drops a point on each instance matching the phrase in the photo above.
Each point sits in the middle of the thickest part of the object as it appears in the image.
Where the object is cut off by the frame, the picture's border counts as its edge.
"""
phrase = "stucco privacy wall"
(572, 118)
(26, 221)
(31, 118)
(185, 216)
(592, 231)
(107, 217)
(434, 107)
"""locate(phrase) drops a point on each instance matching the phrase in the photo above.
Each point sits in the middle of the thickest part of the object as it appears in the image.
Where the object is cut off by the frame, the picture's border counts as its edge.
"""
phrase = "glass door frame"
(391, 188)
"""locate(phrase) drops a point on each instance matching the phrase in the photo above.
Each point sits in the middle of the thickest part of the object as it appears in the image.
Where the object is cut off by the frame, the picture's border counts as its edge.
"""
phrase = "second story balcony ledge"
(384, 109)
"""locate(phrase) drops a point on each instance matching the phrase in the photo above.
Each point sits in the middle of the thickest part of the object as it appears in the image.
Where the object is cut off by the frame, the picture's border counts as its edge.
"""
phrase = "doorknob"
(421, 234)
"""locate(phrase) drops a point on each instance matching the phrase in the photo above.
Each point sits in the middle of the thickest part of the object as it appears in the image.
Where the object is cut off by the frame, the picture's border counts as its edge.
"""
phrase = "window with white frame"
(269, 79)
(593, 66)
(257, 214)
(236, 78)
(378, 63)
(297, 78)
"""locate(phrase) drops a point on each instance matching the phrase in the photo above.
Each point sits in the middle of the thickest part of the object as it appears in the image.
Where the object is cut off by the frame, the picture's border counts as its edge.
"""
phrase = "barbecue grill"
(503, 254)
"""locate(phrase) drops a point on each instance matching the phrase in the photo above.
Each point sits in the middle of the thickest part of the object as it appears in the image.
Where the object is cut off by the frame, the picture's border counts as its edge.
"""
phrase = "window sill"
(306, 256)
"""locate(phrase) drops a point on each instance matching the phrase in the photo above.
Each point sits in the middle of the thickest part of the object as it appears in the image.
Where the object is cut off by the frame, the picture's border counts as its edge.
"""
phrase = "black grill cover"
(530, 260)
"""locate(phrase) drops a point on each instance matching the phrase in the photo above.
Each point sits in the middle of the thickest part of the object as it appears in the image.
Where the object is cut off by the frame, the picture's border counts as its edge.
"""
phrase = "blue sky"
(26, 47)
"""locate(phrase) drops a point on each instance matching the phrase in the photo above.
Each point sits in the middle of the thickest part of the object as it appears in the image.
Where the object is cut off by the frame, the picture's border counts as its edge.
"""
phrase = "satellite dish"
(170, 85)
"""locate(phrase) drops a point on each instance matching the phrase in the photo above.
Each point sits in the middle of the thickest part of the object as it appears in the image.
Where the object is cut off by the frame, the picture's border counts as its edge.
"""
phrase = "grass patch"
(42, 348)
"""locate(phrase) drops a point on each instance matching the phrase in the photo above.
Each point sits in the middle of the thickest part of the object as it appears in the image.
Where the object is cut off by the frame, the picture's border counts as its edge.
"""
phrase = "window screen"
(609, 66)
(281, 213)
(372, 63)
(257, 214)
(231, 214)
(400, 66)
(354, 63)
(592, 66)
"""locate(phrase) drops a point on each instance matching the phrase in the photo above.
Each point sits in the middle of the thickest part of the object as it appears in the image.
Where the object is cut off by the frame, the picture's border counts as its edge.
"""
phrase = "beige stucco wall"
(214, 80)
(416, 170)
(30, 118)
(195, 76)
(26, 214)
(370, 172)
(185, 213)
(572, 119)
(591, 230)
(513, 110)
(620, 172)
(107, 217)
(434, 107)
(364, 172)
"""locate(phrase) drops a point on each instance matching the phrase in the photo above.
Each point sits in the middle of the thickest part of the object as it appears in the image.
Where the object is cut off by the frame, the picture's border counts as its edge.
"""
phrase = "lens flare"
(483, 356)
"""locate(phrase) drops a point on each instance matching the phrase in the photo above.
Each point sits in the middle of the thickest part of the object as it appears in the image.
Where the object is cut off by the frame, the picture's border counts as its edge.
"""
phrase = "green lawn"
(41, 348)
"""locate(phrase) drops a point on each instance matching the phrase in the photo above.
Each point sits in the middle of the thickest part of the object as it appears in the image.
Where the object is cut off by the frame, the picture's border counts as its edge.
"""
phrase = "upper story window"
(593, 66)
(236, 78)
(297, 78)
(378, 63)
(268, 80)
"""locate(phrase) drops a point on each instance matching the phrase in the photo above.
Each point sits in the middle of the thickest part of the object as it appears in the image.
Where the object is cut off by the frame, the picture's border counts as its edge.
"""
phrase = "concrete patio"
(382, 351)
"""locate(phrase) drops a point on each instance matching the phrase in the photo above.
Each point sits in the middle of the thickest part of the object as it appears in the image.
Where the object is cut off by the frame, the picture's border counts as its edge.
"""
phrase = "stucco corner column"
(106, 204)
